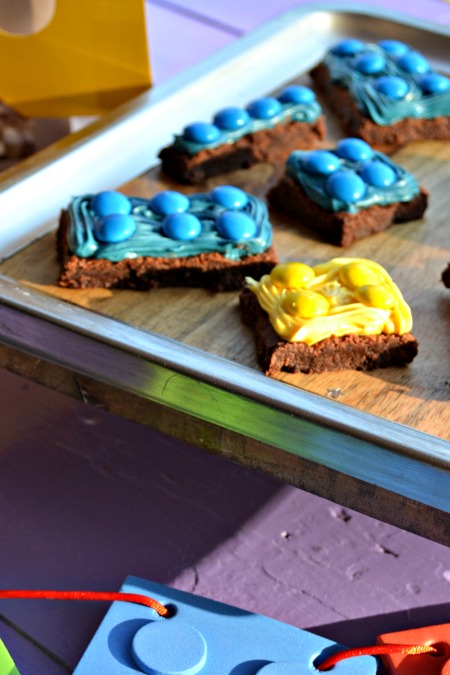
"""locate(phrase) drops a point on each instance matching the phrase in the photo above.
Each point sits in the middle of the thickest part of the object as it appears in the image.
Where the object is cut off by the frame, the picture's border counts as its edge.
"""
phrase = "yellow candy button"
(357, 274)
(305, 304)
(375, 295)
(292, 275)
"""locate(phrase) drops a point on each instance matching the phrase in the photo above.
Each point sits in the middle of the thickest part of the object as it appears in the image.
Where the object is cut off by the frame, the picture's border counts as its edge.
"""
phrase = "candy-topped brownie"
(385, 93)
(267, 130)
(209, 240)
(345, 314)
(347, 192)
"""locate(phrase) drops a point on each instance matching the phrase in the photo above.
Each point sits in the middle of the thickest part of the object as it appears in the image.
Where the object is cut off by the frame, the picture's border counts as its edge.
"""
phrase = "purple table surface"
(88, 498)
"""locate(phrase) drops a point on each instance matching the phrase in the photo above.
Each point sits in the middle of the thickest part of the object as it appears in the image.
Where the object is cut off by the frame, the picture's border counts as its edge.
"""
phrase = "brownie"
(344, 199)
(385, 93)
(344, 352)
(170, 240)
(268, 130)
(446, 276)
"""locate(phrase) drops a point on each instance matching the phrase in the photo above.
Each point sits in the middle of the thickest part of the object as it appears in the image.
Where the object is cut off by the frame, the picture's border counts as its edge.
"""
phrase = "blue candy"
(264, 108)
(378, 174)
(168, 201)
(228, 196)
(296, 93)
(391, 86)
(354, 149)
(394, 47)
(321, 162)
(348, 47)
(434, 83)
(413, 62)
(369, 63)
(231, 119)
(181, 226)
(108, 202)
(115, 227)
(235, 225)
(202, 132)
(346, 186)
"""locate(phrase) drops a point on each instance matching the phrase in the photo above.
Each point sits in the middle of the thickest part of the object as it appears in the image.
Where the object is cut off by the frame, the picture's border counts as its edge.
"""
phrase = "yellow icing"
(343, 296)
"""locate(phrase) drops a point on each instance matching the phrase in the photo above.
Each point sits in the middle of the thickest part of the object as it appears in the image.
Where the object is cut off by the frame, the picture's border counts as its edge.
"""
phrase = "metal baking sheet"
(205, 387)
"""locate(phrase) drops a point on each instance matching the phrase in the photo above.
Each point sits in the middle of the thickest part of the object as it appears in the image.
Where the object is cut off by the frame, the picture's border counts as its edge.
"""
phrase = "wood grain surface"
(414, 254)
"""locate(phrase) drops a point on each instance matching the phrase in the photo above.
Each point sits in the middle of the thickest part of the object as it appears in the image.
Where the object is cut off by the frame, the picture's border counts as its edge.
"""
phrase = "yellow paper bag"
(90, 56)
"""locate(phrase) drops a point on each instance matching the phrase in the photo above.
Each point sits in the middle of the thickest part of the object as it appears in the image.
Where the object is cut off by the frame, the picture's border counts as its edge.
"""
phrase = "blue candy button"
(346, 186)
(264, 108)
(181, 226)
(354, 150)
(321, 162)
(228, 196)
(392, 86)
(169, 201)
(109, 202)
(394, 47)
(348, 47)
(413, 62)
(114, 228)
(378, 174)
(169, 647)
(369, 63)
(231, 119)
(235, 225)
(434, 83)
(296, 93)
(202, 132)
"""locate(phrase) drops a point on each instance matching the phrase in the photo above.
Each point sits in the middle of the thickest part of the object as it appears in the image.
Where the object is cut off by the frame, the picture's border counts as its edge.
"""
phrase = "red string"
(88, 595)
(373, 651)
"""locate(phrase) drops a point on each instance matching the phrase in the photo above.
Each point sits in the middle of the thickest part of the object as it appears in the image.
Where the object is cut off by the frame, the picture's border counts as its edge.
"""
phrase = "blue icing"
(294, 104)
(175, 235)
(384, 80)
(353, 185)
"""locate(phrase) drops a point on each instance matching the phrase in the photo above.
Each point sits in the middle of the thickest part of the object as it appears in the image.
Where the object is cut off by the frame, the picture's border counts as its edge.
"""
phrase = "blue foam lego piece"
(203, 636)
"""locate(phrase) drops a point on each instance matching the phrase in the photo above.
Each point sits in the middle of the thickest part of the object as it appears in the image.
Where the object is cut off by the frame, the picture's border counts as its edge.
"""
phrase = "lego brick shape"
(203, 636)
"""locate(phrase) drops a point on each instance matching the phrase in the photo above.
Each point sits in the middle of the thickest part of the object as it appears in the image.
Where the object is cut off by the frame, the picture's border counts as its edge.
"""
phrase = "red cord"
(373, 651)
(88, 595)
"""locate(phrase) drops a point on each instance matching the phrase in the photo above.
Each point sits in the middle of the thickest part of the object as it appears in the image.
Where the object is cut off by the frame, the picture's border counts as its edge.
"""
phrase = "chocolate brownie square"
(268, 130)
(348, 192)
(209, 240)
(346, 314)
(386, 93)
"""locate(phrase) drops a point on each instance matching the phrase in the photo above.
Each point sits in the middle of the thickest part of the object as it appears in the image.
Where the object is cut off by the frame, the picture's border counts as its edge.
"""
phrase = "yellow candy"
(375, 295)
(292, 275)
(305, 304)
(357, 274)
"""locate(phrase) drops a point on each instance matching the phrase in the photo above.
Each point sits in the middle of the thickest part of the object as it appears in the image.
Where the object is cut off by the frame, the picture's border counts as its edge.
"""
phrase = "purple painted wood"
(245, 16)
(88, 498)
